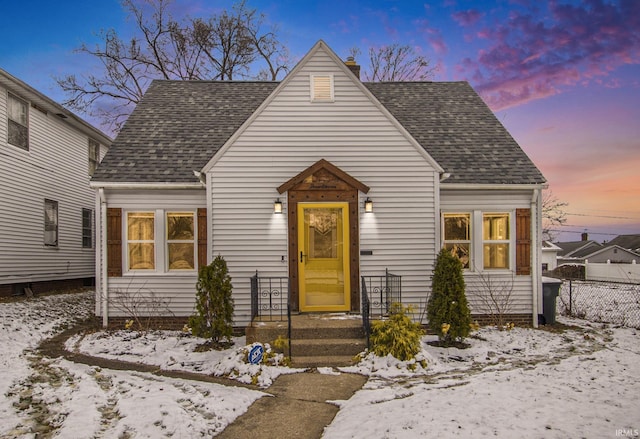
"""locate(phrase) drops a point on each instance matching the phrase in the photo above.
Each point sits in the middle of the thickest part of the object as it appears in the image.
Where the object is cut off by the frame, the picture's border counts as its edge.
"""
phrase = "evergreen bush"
(398, 336)
(447, 309)
(214, 304)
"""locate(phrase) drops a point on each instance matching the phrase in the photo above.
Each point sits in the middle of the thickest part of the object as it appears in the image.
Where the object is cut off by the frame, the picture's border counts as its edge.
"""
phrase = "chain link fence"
(608, 302)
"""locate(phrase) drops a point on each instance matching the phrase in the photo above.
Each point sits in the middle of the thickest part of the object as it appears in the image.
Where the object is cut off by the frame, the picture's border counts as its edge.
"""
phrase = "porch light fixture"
(368, 205)
(277, 206)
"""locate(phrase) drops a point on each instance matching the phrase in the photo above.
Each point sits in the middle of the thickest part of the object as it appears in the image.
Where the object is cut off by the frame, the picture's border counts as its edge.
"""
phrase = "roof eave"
(144, 185)
(490, 186)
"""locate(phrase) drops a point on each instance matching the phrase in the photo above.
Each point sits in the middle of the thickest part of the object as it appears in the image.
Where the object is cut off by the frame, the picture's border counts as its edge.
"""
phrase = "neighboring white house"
(549, 259)
(47, 156)
(319, 179)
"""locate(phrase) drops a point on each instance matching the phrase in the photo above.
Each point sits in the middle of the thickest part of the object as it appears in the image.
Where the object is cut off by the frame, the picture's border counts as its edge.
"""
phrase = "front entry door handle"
(302, 255)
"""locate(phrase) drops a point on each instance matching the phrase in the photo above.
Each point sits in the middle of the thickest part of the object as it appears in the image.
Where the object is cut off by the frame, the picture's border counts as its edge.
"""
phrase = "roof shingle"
(179, 126)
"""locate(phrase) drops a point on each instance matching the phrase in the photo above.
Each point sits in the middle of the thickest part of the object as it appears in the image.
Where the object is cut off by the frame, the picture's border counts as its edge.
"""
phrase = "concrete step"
(322, 361)
(327, 347)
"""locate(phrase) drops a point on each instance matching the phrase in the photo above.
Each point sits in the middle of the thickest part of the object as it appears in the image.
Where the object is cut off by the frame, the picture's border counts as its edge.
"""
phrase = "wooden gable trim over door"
(324, 182)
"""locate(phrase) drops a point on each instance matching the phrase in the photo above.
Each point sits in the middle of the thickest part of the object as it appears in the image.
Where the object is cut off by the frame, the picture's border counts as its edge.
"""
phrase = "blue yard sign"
(255, 354)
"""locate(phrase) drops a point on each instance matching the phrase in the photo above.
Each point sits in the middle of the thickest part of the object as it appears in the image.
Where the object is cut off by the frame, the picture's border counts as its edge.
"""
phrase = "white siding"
(56, 168)
(175, 291)
(290, 135)
(520, 287)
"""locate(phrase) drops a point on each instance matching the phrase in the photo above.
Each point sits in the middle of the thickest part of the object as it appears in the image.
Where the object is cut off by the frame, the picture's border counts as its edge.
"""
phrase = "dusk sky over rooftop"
(562, 76)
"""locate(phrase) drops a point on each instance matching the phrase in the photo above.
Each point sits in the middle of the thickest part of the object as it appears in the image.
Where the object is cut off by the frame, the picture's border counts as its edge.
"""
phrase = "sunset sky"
(562, 76)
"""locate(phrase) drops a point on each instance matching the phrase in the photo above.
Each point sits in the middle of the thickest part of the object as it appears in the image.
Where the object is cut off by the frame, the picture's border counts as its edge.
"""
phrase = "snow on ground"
(578, 381)
(45, 396)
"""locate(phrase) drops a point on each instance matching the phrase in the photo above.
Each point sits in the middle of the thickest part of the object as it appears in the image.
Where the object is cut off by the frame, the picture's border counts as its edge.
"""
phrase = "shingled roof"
(179, 126)
(455, 126)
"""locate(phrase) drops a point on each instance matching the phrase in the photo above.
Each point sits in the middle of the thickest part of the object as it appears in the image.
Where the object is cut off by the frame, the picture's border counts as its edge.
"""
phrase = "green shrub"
(398, 336)
(447, 309)
(214, 304)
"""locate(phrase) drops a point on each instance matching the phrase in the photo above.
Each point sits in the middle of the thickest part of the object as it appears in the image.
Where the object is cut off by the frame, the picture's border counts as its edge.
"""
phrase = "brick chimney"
(585, 236)
(355, 68)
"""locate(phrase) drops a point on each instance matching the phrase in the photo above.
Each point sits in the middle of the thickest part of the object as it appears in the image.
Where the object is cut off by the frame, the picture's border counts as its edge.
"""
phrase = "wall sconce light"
(368, 205)
(277, 206)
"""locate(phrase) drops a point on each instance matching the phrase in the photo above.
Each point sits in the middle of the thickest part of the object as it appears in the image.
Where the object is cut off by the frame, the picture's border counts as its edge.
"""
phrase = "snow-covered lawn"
(582, 381)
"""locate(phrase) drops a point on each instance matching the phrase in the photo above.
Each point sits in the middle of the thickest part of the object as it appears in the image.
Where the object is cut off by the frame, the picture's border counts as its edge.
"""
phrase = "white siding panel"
(290, 135)
(55, 167)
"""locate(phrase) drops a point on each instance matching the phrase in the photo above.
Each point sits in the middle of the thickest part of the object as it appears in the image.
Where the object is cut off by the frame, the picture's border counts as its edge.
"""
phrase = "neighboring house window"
(181, 245)
(141, 240)
(94, 156)
(50, 223)
(17, 117)
(457, 236)
(545, 266)
(495, 240)
(321, 88)
(87, 228)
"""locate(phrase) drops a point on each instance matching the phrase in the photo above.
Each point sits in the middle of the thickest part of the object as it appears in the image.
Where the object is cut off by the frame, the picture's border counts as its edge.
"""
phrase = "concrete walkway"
(299, 407)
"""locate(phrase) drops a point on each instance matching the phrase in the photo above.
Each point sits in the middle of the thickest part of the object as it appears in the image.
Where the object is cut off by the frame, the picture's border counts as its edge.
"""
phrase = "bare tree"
(553, 215)
(396, 63)
(223, 47)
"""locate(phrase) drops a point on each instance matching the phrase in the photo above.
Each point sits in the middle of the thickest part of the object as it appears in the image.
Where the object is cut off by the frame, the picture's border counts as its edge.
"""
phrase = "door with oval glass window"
(323, 260)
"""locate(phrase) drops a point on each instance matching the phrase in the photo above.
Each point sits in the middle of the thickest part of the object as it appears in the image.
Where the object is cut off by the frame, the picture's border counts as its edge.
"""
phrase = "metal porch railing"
(378, 294)
(269, 298)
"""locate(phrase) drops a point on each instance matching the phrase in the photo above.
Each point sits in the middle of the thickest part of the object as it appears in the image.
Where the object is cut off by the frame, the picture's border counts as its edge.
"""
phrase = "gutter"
(107, 185)
(493, 186)
(102, 254)
(535, 266)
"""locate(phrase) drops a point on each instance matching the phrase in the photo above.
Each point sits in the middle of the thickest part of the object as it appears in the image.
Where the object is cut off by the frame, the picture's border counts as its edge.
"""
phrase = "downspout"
(534, 255)
(104, 287)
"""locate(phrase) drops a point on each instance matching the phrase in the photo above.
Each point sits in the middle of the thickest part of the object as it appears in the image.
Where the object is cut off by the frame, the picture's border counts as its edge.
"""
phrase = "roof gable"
(321, 46)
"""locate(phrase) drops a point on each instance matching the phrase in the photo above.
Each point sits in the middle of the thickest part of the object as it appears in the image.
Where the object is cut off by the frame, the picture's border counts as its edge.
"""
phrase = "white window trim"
(125, 239)
(26, 103)
(312, 88)
(476, 252)
(193, 241)
(92, 226)
(93, 163)
(510, 241)
(161, 252)
(57, 223)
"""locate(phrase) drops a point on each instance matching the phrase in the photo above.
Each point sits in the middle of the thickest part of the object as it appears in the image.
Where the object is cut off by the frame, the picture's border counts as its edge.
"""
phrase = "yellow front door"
(323, 262)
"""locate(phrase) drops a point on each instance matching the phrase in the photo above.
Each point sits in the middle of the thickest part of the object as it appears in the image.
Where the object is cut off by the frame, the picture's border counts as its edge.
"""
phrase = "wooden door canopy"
(323, 175)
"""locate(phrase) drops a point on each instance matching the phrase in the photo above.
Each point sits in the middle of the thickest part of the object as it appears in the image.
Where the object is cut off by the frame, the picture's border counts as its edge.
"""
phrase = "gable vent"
(321, 88)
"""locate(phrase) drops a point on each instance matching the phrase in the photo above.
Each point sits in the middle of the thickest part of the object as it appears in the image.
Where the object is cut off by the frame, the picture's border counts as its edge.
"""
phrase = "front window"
(495, 240)
(457, 236)
(87, 228)
(94, 156)
(181, 240)
(17, 126)
(50, 223)
(140, 240)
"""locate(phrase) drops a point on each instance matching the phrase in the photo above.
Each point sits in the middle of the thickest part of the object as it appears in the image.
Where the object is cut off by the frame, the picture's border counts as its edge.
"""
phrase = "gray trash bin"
(550, 290)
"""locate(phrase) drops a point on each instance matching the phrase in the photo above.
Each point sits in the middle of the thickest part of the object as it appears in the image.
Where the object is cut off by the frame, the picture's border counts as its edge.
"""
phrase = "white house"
(319, 179)
(47, 156)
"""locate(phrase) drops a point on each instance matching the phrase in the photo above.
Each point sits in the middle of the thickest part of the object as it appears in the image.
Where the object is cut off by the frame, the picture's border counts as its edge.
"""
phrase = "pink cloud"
(534, 56)
(467, 18)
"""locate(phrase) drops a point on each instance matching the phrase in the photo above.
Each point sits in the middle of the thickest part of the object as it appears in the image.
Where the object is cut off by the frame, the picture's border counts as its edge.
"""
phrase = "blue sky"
(563, 76)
